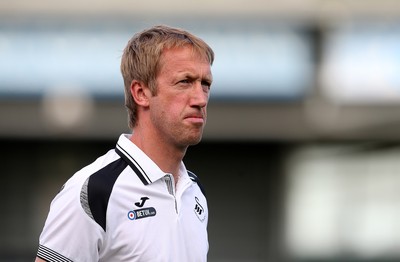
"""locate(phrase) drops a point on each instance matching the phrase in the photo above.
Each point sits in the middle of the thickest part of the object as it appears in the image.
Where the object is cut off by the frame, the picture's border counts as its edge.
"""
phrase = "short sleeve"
(69, 233)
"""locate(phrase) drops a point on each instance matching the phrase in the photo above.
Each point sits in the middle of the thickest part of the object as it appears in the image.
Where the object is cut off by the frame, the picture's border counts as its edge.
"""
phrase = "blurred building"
(299, 156)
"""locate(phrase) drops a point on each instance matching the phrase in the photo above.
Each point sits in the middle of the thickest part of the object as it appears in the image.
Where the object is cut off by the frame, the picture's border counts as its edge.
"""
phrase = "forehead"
(180, 54)
(183, 60)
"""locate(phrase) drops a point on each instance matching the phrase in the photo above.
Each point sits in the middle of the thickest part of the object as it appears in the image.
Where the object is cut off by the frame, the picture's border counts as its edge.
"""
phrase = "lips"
(196, 118)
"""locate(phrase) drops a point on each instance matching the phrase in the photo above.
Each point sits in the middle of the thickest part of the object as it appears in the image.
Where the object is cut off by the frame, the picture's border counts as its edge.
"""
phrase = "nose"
(200, 95)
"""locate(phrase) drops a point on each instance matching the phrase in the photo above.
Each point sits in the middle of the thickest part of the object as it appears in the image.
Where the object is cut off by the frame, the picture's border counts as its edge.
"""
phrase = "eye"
(185, 81)
(206, 85)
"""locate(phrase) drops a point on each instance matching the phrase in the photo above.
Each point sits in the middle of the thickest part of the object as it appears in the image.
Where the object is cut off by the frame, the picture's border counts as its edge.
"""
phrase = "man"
(138, 202)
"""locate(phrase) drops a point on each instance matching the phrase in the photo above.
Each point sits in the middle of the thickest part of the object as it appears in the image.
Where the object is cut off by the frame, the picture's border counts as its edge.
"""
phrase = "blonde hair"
(141, 58)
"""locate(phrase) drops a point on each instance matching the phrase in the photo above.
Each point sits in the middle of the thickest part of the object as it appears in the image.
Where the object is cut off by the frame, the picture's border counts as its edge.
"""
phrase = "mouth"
(196, 119)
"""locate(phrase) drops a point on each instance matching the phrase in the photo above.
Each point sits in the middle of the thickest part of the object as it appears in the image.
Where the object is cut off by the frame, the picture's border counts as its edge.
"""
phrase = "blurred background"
(300, 156)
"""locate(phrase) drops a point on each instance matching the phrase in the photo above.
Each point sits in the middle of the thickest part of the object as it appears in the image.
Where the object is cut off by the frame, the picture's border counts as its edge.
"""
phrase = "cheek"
(169, 109)
(175, 105)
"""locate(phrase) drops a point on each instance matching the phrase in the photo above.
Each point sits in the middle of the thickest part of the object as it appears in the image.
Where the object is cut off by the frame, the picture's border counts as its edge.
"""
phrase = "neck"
(166, 156)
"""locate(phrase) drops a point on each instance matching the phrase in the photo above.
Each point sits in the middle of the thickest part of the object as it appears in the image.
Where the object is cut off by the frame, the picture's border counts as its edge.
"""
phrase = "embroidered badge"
(199, 210)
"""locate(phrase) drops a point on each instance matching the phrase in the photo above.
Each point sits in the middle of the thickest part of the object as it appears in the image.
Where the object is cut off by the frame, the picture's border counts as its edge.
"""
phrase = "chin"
(195, 142)
(191, 141)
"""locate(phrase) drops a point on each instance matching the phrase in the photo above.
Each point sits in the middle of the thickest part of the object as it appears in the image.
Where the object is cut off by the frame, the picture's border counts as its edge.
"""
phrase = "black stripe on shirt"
(99, 189)
(140, 173)
(50, 255)
(194, 178)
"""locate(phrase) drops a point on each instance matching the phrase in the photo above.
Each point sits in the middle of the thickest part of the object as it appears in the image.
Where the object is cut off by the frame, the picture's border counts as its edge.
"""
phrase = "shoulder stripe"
(194, 178)
(50, 255)
(133, 164)
(96, 191)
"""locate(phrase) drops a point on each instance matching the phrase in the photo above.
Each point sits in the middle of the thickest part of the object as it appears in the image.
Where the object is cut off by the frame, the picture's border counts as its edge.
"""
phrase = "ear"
(140, 93)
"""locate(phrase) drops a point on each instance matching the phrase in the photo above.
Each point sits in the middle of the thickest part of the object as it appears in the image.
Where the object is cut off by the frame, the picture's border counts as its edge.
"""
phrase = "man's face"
(178, 110)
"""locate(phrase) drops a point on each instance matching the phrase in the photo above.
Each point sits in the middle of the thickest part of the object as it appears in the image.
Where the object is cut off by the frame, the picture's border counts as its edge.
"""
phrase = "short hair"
(141, 58)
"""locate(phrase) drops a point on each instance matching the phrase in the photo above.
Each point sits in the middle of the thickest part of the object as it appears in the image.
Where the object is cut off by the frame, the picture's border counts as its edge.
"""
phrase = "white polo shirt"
(122, 207)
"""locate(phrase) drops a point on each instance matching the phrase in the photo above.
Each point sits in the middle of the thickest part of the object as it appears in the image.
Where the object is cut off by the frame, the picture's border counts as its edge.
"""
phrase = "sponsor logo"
(141, 204)
(199, 210)
(142, 212)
